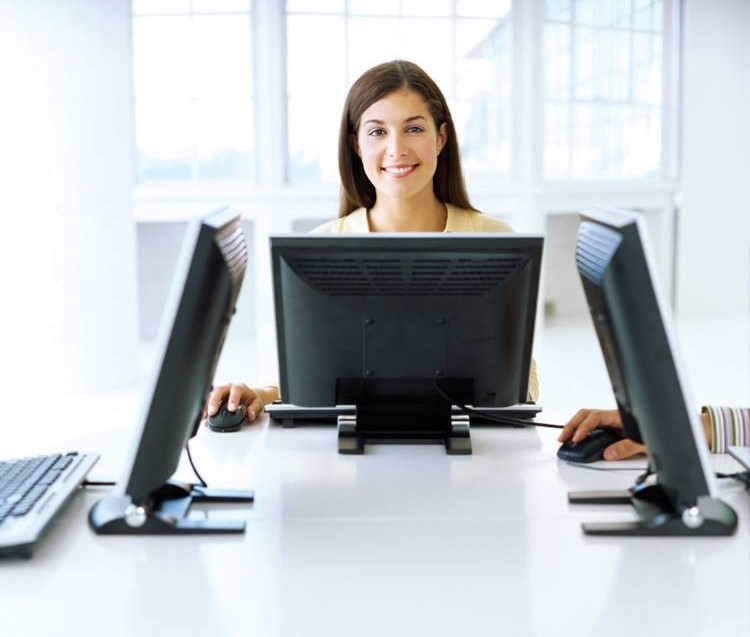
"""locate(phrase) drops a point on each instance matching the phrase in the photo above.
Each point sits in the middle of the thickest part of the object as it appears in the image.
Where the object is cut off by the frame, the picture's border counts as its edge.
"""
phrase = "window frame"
(520, 192)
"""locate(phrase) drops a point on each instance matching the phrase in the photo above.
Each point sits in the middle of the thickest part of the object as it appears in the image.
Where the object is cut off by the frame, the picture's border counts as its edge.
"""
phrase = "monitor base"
(291, 416)
(457, 439)
(658, 516)
(166, 513)
(402, 411)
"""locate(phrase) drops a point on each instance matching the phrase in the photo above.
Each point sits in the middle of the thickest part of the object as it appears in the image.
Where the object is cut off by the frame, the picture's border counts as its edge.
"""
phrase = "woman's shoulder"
(355, 221)
(467, 220)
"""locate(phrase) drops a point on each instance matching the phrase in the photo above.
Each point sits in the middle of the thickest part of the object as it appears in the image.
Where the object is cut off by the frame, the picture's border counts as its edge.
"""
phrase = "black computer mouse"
(226, 421)
(591, 448)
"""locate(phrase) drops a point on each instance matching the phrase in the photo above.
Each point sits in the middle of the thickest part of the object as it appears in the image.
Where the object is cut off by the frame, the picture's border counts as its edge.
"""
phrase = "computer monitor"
(195, 321)
(631, 319)
(402, 325)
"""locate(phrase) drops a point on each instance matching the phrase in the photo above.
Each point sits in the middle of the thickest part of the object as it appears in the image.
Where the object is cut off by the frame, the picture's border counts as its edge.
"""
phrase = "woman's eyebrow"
(380, 122)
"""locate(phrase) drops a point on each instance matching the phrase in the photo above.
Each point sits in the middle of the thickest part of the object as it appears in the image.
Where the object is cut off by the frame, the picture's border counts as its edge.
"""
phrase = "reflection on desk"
(404, 540)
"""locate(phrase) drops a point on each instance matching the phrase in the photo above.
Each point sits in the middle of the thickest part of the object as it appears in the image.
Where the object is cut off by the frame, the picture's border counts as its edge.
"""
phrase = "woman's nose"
(396, 146)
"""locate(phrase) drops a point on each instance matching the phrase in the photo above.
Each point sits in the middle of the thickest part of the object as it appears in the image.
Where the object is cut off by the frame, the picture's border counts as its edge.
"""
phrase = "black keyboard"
(32, 492)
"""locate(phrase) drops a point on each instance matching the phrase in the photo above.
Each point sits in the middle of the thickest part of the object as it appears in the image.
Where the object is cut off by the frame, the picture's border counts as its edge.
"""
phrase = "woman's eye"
(414, 129)
(376, 132)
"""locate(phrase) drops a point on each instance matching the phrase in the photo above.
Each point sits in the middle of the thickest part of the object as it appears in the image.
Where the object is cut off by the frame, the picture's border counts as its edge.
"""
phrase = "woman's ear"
(442, 137)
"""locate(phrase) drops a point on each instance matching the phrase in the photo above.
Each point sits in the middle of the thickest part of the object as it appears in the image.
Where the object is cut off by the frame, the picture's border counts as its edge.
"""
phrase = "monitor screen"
(195, 321)
(631, 319)
(388, 317)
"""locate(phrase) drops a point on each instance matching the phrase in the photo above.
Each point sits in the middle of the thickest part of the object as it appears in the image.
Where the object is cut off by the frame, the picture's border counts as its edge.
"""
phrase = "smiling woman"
(395, 115)
(400, 172)
(399, 158)
(399, 144)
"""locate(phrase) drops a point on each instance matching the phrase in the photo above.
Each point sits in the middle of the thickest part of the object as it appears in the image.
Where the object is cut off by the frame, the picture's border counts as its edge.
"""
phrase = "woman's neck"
(424, 214)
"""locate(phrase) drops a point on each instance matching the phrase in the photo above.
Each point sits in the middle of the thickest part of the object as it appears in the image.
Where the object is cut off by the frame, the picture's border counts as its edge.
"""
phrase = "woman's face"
(399, 145)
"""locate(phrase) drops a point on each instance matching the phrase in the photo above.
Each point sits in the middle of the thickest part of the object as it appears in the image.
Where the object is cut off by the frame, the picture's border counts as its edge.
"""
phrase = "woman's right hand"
(255, 399)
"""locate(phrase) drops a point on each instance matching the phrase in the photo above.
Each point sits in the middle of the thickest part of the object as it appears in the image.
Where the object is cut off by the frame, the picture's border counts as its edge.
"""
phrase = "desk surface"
(404, 540)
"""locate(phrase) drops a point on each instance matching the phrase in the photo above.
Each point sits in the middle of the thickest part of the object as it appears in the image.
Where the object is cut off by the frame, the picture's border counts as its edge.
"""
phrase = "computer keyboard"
(32, 491)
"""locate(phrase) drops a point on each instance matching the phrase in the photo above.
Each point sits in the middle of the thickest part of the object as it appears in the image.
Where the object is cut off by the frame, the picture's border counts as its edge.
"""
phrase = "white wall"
(714, 223)
(67, 246)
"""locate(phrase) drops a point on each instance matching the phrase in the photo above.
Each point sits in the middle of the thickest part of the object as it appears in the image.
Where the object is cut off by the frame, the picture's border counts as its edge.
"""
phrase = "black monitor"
(195, 321)
(613, 257)
(403, 325)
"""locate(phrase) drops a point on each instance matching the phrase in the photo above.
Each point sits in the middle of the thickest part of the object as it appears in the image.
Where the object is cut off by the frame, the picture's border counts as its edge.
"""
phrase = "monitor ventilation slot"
(594, 250)
(234, 250)
(428, 276)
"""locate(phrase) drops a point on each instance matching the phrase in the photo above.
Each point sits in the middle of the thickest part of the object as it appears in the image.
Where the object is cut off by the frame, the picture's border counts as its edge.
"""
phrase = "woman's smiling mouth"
(401, 170)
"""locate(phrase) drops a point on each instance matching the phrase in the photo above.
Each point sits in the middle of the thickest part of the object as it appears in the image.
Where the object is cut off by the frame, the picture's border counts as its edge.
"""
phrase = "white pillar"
(67, 236)
(714, 224)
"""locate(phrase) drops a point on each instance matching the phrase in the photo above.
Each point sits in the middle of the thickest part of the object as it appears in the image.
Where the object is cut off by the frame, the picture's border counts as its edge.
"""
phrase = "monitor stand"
(658, 515)
(457, 438)
(401, 411)
(166, 512)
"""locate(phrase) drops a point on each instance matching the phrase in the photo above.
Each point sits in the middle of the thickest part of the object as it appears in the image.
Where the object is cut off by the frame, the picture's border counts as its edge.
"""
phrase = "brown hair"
(356, 189)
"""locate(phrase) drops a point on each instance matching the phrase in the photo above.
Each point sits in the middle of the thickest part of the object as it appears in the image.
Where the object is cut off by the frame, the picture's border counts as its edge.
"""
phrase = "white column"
(714, 223)
(269, 29)
(67, 237)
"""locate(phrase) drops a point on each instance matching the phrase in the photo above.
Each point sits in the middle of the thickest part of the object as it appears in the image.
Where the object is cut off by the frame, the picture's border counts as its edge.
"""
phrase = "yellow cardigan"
(459, 220)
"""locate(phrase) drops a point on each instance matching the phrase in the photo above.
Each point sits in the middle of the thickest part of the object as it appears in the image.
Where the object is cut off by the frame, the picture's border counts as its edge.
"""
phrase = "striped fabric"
(729, 426)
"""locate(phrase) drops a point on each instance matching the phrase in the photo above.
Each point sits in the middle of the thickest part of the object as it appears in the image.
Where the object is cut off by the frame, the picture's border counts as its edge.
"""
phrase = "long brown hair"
(356, 189)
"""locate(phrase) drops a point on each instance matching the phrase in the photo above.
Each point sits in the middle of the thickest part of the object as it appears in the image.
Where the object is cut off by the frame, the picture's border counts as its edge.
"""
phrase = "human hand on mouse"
(585, 420)
(255, 399)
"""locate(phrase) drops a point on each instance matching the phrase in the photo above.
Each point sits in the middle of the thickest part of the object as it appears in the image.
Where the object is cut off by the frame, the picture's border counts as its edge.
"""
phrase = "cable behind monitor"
(510, 421)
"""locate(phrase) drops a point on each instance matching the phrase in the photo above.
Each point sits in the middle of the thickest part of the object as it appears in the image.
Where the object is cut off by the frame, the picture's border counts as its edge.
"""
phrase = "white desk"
(404, 540)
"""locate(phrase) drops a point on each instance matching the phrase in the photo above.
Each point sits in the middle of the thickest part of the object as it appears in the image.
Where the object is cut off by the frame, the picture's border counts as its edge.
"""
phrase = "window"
(602, 89)
(594, 110)
(464, 45)
(193, 85)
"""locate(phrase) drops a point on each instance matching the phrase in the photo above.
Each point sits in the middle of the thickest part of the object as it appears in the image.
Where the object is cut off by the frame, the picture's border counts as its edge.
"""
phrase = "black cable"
(740, 476)
(108, 483)
(645, 476)
(503, 420)
(192, 464)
